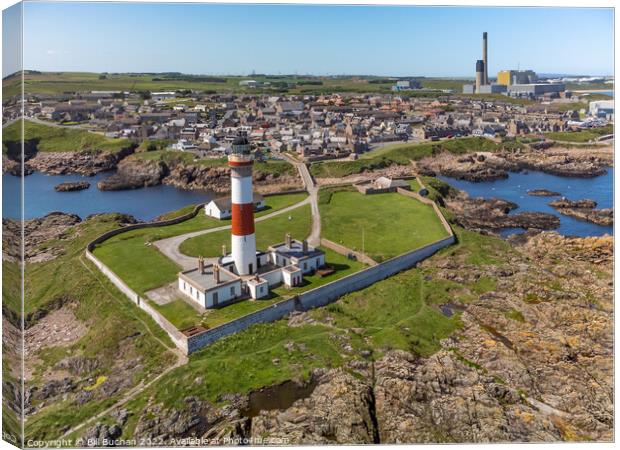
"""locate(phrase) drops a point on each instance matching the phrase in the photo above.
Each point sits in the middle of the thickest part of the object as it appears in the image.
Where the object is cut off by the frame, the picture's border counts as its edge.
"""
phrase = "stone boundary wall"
(346, 251)
(177, 337)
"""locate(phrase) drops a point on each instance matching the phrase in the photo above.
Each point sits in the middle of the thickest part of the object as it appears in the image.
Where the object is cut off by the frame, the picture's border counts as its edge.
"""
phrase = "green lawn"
(415, 186)
(581, 136)
(143, 267)
(390, 224)
(178, 313)
(215, 317)
(268, 232)
(57, 139)
(400, 154)
(59, 82)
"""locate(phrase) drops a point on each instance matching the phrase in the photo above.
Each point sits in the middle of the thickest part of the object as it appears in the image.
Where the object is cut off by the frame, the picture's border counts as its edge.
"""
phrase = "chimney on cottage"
(304, 246)
(288, 240)
(216, 273)
(201, 265)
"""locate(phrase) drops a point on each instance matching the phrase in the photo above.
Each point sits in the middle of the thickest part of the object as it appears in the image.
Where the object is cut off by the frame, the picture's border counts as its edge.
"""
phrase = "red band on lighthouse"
(242, 219)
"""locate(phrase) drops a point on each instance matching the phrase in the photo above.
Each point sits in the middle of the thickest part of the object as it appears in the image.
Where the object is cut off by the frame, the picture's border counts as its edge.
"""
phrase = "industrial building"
(535, 89)
(482, 84)
(603, 109)
(406, 85)
(509, 77)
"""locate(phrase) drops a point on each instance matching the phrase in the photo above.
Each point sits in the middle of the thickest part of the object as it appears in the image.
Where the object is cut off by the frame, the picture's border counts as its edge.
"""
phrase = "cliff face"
(83, 163)
(135, 173)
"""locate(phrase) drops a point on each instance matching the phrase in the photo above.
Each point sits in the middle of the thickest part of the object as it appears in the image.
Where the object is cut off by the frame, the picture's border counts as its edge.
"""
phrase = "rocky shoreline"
(584, 210)
(486, 166)
(133, 173)
(492, 215)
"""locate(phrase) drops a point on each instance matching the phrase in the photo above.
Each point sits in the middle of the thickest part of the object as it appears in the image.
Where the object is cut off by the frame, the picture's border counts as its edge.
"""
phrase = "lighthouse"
(243, 238)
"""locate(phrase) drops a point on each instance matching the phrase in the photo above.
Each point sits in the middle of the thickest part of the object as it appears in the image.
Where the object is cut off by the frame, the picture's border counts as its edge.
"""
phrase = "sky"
(320, 40)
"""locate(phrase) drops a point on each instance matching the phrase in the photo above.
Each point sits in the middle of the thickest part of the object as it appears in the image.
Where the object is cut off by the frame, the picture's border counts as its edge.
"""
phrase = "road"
(315, 234)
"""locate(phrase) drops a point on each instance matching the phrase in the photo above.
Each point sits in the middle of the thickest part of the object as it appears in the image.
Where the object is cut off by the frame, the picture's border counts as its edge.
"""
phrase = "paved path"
(171, 246)
(315, 234)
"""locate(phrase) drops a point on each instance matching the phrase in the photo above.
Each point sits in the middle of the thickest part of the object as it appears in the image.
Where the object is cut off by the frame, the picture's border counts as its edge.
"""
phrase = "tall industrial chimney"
(484, 58)
(479, 75)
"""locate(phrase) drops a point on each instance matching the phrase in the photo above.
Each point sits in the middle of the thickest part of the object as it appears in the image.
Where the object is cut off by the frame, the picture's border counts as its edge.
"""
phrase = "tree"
(144, 95)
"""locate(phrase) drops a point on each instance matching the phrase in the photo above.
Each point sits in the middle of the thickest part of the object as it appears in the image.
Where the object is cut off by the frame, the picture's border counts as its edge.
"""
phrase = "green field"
(67, 82)
(580, 136)
(59, 139)
(400, 154)
(143, 267)
(178, 313)
(268, 232)
(380, 225)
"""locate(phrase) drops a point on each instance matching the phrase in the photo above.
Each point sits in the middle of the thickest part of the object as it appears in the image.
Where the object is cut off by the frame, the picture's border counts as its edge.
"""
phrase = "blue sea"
(515, 188)
(40, 198)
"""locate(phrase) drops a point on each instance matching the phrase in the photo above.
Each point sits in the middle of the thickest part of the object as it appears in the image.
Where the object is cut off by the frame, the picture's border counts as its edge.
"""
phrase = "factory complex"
(514, 83)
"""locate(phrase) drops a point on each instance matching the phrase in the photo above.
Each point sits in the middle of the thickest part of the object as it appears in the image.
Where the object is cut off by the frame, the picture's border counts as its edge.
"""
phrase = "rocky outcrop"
(217, 179)
(72, 186)
(543, 193)
(83, 163)
(134, 173)
(474, 167)
(494, 214)
(341, 410)
(584, 210)
(485, 166)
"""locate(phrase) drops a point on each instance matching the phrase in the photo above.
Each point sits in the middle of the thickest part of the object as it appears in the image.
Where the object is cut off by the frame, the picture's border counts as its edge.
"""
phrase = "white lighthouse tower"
(243, 238)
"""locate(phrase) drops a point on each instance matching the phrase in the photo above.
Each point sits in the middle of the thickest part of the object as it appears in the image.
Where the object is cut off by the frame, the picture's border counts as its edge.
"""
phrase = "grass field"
(61, 82)
(400, 154)
(179, 313)
(381, 225)
(143, 267)
(581, 136)
(58, 139)
(268, 232)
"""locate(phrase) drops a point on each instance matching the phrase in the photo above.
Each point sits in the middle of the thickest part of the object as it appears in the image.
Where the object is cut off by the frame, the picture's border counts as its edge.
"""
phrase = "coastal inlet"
(515, 189)
(41, 197)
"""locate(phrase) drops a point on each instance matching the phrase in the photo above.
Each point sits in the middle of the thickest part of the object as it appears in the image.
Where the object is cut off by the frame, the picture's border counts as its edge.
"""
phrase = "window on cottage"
(232, 291)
